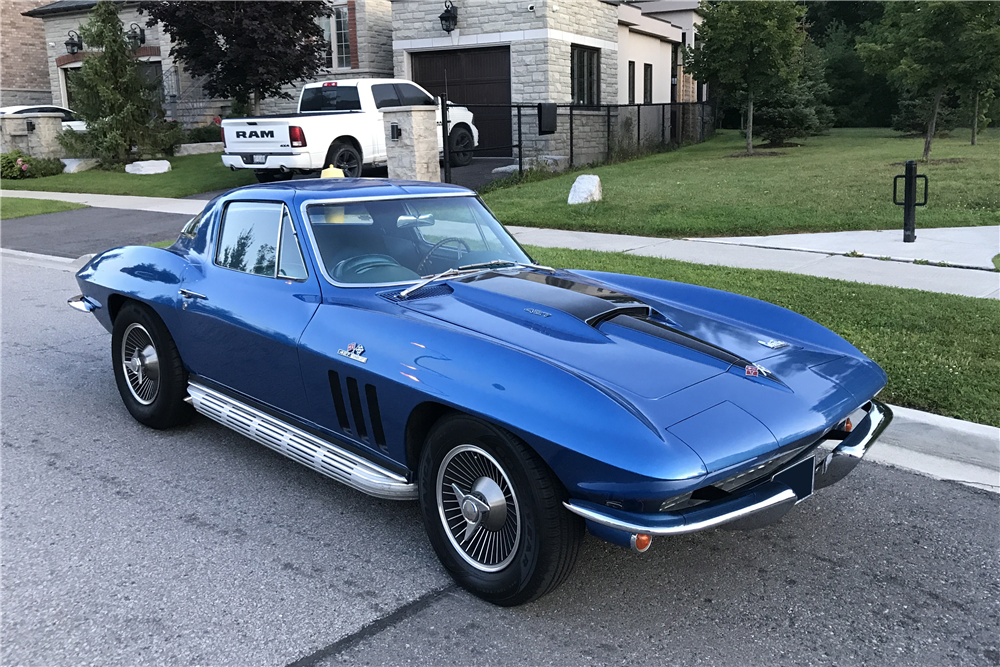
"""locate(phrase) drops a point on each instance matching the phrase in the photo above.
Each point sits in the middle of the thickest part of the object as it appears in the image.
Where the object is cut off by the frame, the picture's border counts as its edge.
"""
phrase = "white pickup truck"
(339, 123)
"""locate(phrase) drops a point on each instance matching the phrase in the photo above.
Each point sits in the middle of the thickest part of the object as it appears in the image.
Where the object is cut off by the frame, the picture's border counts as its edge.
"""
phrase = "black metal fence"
(584, 135)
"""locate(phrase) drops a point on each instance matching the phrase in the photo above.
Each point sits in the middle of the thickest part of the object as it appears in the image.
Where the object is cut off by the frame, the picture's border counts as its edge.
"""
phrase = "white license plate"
(260, 159)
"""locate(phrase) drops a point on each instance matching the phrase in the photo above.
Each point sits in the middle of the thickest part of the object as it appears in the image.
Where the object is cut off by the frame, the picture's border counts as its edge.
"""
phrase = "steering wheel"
(362, 264)
(442, 242)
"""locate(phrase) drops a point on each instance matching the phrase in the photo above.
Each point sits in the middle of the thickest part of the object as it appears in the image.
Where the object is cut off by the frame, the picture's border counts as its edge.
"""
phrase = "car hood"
(654, 354)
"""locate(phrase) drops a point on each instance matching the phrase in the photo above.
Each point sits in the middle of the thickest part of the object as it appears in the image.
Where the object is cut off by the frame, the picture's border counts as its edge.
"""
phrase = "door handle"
(188, 294)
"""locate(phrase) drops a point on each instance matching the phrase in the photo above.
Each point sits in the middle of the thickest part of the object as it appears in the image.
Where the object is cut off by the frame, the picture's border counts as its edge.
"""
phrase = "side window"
(248, 241)
(290, 262)
(385, 95)
(410, 95)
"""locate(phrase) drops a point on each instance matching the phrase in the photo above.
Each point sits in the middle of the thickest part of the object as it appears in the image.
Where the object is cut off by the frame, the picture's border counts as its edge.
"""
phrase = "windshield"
(400, 240)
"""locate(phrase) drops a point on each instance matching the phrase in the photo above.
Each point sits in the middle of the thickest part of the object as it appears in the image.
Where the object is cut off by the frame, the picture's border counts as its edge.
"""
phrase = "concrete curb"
(153, 204)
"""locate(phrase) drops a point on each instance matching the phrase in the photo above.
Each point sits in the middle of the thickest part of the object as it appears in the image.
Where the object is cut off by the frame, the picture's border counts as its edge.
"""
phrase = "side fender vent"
(338, 402)
(356, 411)
(376, 417)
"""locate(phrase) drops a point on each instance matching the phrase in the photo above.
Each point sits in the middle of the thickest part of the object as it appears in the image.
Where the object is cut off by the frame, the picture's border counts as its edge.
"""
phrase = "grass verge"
(16, 207)
(942, 352)
(189, 175)
(838, 182)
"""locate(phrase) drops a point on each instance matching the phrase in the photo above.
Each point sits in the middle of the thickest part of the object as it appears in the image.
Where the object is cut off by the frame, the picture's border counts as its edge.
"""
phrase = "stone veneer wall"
(24, 77)
(373, 21)
(414, 155)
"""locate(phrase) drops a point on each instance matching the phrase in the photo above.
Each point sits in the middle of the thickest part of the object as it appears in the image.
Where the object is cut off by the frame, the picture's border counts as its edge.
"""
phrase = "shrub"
(204, 134)
(16, 165)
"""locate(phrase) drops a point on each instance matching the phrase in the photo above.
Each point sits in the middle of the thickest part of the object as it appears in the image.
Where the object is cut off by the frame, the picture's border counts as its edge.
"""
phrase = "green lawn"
(15, 207)
(838, 182)
(189, 175)
(942, 352)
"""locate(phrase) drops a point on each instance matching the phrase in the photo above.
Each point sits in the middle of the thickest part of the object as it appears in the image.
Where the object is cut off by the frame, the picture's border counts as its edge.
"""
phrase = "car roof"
(348, 188)
(22, 107)
(355, 82)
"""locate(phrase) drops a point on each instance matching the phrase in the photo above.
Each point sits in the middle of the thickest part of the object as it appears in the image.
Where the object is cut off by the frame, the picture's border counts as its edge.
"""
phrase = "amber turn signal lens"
(642, 542)
(848, 426)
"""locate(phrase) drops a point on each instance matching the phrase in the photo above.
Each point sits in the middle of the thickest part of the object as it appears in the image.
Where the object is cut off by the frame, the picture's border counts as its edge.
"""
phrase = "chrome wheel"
(140, 363)
(478, 507)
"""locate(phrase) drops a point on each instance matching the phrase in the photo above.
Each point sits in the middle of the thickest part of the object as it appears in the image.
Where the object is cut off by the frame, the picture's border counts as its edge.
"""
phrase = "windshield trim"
(349, 200)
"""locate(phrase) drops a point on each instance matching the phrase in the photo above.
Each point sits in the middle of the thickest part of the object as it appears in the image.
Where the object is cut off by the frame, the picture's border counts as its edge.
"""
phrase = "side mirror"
(408, 221)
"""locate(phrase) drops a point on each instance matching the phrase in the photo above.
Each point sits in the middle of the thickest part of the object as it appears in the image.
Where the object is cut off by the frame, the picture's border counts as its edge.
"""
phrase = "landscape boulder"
(586, 188)
(148, 167)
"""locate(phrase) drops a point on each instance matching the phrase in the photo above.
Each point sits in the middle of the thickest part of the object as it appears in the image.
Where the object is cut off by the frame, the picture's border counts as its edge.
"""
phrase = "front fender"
(594, 441)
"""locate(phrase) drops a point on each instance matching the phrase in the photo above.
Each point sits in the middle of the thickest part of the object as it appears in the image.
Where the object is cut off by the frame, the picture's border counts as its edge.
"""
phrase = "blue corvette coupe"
(393, 336)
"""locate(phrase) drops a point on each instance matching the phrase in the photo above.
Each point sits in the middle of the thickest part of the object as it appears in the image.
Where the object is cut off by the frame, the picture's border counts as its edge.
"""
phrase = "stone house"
(580, 53)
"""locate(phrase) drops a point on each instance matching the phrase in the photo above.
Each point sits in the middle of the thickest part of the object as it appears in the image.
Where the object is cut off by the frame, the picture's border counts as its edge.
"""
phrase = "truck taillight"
(222, 131)
(297, 136)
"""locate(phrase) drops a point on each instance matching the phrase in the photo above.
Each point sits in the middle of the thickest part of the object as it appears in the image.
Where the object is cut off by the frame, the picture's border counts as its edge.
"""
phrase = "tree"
(246, 51)
(797, 108)
(926, 49)
(747, 47)
(121, 109)
(979, 76)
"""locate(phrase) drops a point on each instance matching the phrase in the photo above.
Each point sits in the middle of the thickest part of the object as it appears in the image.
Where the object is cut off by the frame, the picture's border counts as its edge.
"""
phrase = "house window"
(631, 82)
(647, 84)
(337, 33)
(585, 72)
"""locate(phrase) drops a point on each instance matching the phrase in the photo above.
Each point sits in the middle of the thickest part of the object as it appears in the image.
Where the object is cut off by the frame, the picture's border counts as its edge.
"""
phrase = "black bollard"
(909, 202)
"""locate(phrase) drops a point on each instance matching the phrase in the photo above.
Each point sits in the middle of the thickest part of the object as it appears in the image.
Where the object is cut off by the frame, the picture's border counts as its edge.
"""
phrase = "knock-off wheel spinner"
(483, 521)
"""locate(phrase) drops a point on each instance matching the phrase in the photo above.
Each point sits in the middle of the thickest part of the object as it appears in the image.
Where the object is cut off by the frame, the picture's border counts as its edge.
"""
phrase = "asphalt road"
(127, 546)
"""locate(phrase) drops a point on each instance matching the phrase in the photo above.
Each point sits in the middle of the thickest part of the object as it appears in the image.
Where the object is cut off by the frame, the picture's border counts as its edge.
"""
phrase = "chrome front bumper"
(759, 506)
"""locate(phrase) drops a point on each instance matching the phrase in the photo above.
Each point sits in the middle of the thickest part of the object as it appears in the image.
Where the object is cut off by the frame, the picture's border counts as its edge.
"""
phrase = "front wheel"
(148, 370)
(493, 512)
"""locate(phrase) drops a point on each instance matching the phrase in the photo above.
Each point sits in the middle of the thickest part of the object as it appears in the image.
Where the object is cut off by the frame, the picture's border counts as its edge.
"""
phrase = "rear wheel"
(493, 512)
(346, 158)
(148, 370)
(460, 147)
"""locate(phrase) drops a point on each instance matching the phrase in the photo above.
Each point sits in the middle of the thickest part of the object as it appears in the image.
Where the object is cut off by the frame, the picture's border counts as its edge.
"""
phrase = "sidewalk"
(821, 255)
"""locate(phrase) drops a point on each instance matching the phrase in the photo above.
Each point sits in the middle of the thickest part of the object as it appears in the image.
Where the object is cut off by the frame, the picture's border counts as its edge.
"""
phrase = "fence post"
(520, 145)
(607, 129)
(444, 135)
(571, 136)
(638, 128)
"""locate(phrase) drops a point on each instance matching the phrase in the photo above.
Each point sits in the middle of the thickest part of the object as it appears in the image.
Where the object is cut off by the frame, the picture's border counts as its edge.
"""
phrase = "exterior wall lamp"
(449, 17)
(136, 35)
(75, 43)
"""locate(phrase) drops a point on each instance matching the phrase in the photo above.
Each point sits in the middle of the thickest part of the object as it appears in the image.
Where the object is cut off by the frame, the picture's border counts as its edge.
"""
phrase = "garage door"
(472, 76)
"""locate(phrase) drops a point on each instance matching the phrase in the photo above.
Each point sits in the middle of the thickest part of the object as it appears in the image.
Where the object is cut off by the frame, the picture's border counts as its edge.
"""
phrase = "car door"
(245, 309)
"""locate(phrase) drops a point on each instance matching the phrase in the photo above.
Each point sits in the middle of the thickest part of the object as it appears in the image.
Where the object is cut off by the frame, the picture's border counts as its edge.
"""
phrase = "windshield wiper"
(506, 262)
(470, 268)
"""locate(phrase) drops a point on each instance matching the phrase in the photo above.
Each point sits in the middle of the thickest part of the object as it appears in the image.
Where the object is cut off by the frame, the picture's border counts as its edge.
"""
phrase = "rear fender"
(149, 275)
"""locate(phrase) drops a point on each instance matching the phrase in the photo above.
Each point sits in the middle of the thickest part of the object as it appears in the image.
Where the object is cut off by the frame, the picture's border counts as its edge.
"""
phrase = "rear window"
(330, 98)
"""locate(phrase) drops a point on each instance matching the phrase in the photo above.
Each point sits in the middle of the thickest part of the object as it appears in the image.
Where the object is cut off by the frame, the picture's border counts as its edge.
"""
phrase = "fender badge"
(752, 371)
(773, 344)
(540, 313)
(354, 351)
(755, 370)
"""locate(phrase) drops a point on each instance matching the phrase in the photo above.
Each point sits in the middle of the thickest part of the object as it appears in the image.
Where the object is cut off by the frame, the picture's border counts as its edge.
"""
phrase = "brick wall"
(24, 75)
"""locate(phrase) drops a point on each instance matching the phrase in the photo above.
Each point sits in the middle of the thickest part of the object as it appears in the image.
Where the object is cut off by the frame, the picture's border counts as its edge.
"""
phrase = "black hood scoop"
(590, 303)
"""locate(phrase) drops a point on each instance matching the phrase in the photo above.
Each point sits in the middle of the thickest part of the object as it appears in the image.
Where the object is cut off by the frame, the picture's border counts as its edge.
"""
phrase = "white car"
(69, 121)
(338, 123)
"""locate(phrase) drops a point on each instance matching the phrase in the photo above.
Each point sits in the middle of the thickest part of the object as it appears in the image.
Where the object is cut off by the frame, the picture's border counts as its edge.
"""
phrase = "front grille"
(730, 485)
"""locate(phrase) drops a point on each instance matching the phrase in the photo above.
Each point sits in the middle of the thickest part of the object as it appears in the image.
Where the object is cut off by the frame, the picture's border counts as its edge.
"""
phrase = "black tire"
(346, 158)
(460, 147)
(535, 546)
(152, 384)
(271, 175)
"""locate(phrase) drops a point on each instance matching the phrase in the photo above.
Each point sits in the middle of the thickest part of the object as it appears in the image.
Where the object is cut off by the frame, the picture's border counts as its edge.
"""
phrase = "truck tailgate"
(256, 136)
